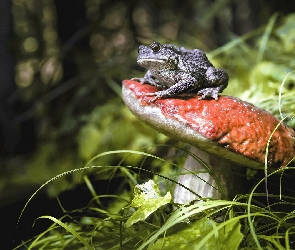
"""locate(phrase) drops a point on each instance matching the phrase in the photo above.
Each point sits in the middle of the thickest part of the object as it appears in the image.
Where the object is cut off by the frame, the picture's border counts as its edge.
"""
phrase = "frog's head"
(158, 56)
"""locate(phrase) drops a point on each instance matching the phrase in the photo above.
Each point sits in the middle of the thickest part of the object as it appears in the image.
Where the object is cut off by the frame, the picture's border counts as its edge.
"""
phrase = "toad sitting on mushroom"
(225, 132)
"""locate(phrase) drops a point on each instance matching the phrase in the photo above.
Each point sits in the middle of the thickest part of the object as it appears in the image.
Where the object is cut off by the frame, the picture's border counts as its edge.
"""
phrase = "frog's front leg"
(148, 78)
(184, 85)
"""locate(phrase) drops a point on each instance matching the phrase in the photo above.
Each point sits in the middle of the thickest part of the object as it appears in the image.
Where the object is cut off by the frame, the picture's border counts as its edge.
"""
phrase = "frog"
(176, 71)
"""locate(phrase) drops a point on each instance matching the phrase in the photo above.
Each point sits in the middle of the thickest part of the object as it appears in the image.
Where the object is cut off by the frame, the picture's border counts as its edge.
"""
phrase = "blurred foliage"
(71, 57)
(267, 69)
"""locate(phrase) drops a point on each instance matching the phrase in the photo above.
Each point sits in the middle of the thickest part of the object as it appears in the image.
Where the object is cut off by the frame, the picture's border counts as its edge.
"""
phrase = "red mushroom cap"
(229, 127)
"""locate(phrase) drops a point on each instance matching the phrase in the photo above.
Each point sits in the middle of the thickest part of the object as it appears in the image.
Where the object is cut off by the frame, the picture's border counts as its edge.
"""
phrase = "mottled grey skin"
(179, 70)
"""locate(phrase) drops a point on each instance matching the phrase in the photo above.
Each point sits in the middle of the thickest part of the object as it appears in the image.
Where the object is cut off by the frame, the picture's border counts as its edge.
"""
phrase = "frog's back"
(195, 60)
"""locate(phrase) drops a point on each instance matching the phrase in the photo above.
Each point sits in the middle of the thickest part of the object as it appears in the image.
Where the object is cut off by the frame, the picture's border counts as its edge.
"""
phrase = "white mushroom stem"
(220, 181)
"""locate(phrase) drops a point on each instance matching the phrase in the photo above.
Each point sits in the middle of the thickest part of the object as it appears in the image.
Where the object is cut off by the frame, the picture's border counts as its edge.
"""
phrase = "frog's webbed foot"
(157, 95)
(209, 92)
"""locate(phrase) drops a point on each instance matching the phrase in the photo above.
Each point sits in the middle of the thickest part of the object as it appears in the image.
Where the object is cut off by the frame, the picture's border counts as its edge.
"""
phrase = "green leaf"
(147, 199)
(189, 236)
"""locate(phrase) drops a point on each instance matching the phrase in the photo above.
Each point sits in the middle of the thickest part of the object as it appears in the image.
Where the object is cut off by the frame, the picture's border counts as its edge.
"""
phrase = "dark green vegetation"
(64, 107)
(113, 221)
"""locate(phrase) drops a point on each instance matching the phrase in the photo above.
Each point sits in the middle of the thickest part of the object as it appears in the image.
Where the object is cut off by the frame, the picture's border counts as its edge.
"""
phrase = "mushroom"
(226, 133)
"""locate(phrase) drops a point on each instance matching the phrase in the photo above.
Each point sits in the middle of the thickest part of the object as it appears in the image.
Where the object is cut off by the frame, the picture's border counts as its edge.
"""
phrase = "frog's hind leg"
(211, 92)
(217, 77)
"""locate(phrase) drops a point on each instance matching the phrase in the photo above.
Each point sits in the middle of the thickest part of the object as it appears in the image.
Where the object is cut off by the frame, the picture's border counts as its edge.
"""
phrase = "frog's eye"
(155, 46)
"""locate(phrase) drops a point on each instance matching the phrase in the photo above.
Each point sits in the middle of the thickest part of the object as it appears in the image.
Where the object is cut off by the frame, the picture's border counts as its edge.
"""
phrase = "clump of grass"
(242, 223)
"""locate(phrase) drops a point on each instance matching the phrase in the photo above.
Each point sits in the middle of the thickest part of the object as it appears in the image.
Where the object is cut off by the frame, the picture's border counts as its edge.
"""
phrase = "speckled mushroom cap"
(229, 127)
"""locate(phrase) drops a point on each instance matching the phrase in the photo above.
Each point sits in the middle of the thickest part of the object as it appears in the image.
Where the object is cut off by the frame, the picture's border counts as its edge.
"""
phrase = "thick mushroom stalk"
(226, 132)
(222, 181)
